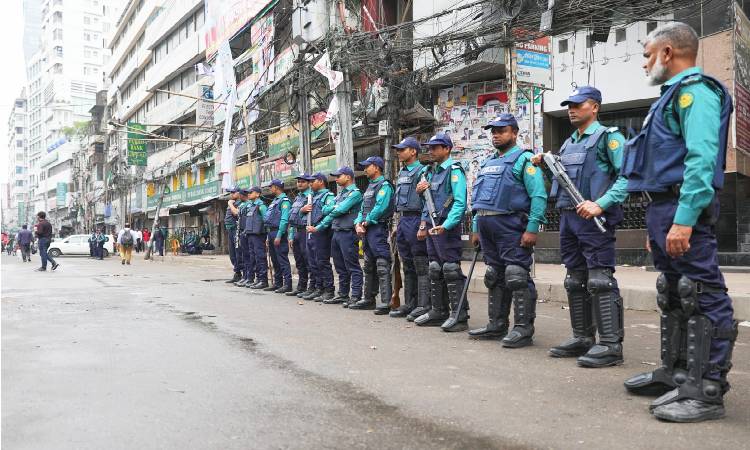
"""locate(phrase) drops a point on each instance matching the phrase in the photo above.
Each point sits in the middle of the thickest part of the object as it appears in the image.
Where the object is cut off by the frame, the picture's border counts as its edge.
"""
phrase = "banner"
(534, 63)
(225, 18)
(21, 212)
(137, 153)
(62, 191)
(204, 111)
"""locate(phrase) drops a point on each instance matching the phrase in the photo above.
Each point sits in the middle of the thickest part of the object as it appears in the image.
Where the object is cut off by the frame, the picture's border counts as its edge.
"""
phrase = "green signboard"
(205, 191)
(21, 213)
(62, 190)
(137, 153)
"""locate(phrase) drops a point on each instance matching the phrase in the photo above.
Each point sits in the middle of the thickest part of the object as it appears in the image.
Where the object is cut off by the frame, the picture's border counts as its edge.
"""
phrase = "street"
(161, 355)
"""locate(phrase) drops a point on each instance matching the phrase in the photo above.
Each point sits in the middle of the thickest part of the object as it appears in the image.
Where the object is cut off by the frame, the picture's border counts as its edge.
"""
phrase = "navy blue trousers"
(248, 262)
(299, 249)
(376, 242)
(500, 237)
(280, 259)
(583, 245)
(700, 263)
(257, 246)
(345, 252)
(406, 238)
(233, 251)
(319, 249)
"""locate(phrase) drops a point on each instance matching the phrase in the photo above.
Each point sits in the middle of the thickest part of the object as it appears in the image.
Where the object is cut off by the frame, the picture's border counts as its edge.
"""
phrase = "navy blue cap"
(343, 171)
(320, 176)
(277, 182)
(305, 177)
(408, 142)
(232, 189)
(256, 189)
(377, 160)
(243, 191)
(440, 139)
(583, 93)
(503, 120)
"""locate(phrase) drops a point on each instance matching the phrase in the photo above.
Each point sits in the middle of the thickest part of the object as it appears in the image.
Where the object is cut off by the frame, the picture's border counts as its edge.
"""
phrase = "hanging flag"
(323, 66)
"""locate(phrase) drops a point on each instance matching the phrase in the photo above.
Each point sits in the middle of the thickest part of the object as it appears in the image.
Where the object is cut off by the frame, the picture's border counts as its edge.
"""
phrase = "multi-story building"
(16, 212)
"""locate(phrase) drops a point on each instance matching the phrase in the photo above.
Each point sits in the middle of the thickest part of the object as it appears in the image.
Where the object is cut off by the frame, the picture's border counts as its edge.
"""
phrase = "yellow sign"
(685, 100)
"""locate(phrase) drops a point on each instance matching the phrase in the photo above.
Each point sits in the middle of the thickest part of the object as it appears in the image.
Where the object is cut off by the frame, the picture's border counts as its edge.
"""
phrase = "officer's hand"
(421, 234)
(311, 229)
(528, 240)
(277, 242)
(648, 244)
(231, 202)
(360, 230)
(422, 186)
(475, 240)
(588, 209)
(678, 240)
(437, 230)
(537, 160)
(306, 208)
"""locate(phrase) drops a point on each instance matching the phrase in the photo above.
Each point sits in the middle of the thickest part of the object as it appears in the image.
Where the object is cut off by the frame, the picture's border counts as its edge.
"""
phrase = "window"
(19, 130)
(19, 143)
(86, 20)
(86, 53)
(650, 26)
(200, 18)
(57, 34)
(87, 37)
(589, 41)
(562, 46)
(621, 34)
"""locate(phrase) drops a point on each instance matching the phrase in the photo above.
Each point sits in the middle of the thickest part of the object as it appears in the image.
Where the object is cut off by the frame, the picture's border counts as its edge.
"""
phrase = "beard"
(658, 73)
(504, 146)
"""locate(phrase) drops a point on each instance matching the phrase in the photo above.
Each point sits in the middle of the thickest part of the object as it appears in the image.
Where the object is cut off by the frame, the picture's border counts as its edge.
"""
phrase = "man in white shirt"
(138, 241)
(126, 239)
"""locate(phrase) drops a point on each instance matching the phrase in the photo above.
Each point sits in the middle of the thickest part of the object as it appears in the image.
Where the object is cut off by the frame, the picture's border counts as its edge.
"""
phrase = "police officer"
(277, 221)
(230, 224)
(99, 239)
(592, 157)
(319, 242)
(678, 161)
(412, 251)
(509, 200)
(255, 231)
(371, 226)
(92, 244)
(243, 250)
(298, 235)
(447, 185)
(340, 217)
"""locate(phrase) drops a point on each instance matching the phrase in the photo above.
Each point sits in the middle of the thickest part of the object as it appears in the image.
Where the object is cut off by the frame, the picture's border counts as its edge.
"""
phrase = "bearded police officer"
(255, 231)
(340, 218)
(298, 235)
(371, 226)
(319, 243)
(412, 251)
(277, 221)
(230, 224)
(447, 185)
(592, 157)
(678, 161)
(509, 200)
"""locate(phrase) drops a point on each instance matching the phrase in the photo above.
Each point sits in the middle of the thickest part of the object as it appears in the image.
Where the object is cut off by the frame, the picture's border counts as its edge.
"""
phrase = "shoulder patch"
(454, 178)
(381, 192)
(531, 169)
(685, 100)
(285, 206)
(613, 144)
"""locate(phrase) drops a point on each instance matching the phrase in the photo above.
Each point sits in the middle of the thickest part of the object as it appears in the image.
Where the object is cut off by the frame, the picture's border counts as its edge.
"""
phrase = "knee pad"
(420, 265)
(383, 266)
(687, 289)
(435, 270)
(516, 278)
(452, 271)
(491, 277)
(575, 280)
(600, 281)
(662, 292)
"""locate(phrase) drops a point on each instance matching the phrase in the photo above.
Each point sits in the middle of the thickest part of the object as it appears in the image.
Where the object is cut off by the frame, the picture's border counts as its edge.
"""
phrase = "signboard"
(534, 63)
(204, 112)
(62, 191)
(137, 153)
(225, 18)
(196, 193)
(741, 47)
(742, 116)
(21, 212)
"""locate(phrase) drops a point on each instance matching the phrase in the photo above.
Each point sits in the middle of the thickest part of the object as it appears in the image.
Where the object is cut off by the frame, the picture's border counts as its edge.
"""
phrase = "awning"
(186, 207)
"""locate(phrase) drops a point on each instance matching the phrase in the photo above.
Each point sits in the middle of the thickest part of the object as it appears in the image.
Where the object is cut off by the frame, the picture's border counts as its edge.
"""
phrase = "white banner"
(324, 67)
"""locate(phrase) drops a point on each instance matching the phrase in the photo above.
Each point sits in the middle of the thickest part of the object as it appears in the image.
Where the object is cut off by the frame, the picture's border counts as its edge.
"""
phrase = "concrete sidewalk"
(637, 284)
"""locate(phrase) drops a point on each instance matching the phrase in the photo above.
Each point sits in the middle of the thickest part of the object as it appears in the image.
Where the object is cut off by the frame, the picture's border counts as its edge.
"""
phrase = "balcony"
(139, 60)
(188, 52)
(176, 107)
(128, 39)
(168, 19)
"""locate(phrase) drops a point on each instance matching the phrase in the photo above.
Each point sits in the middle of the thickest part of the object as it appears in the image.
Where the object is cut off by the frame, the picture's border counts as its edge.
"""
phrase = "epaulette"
(692, 79)
(612, 129)
(457, 165)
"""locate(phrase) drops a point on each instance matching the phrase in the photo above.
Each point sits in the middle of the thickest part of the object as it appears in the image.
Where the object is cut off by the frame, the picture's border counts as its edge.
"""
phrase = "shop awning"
(186, 207)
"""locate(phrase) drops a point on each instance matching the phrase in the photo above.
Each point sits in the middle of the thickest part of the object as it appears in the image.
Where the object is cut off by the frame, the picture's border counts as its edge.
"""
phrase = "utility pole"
(345, 143)
(304, 123)
(510, 72)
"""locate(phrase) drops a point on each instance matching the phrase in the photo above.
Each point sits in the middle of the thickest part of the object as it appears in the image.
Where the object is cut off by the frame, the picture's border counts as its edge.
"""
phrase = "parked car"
(76, 244)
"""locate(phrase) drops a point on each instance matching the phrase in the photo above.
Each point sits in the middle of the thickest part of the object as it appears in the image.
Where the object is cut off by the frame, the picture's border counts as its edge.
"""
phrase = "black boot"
(328, 295)
(423, 288)
(498, 308)
(438, 306)
(455, 281)
(317, 292)
(235, 278)
(242, 283)
(524, 308)
(350, 302)
(608, 312)
(383, 268)
(340, 298)
(263, 285)
(581, 319)
(410, 290)
(369, 291)
(285, 288)
(305, 293)
(301, 287)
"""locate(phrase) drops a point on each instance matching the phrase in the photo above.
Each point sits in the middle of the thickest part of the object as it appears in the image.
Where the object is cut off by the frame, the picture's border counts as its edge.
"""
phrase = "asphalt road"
(99, 355)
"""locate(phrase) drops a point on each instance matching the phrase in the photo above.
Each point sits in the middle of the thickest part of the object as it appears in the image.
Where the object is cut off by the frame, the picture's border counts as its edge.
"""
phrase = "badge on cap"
(686, 99)
(575, 92)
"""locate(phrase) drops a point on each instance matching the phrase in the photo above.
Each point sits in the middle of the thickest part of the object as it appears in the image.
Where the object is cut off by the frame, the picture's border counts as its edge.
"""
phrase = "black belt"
(300, 228)
(410, 213)
(343, 229)
(661, 196)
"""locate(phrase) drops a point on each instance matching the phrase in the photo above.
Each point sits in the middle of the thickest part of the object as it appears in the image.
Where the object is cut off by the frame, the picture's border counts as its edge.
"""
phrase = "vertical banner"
(137, 153)
(62, 191)
(204, 112)
(21, 213)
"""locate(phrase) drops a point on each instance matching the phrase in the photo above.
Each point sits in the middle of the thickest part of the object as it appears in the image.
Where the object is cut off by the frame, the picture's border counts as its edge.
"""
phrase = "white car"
(76, 244)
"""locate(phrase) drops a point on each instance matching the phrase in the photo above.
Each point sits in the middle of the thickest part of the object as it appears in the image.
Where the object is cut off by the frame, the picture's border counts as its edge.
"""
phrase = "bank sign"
(534, 63)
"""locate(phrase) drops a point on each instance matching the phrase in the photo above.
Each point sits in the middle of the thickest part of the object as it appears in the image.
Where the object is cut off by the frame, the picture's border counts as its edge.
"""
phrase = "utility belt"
(707, 216)
(409, 213)
(300, 227)
(489, 212)
(343, 229)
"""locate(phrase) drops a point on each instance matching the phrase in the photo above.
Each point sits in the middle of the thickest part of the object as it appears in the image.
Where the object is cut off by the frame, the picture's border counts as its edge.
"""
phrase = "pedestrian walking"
(99, 240)
(411, 251)
(678, 160)
(339, 216)
(447, 185)
(255, 230)
(126, 240)
(25, 239)
(372, 226)
(592, 158)
(509, 201)
(298, 235)
(276, 221)
(138, 241)
(44, 237)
